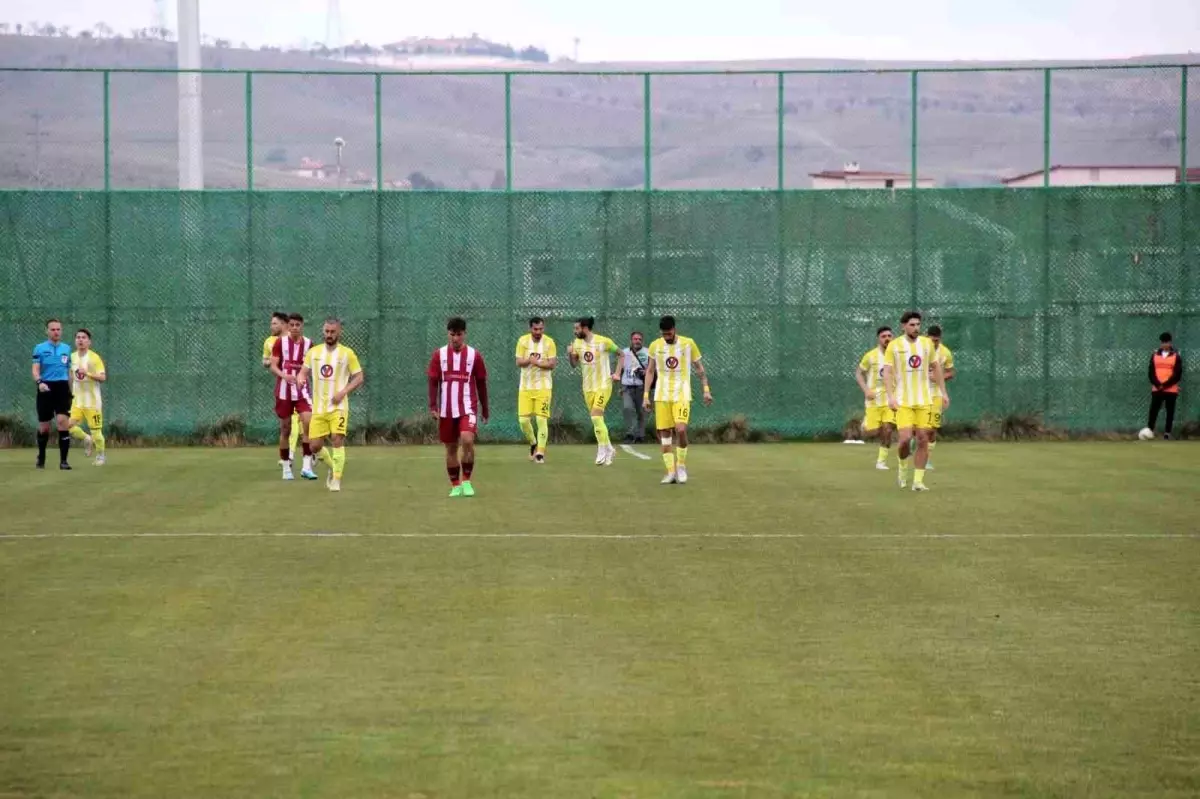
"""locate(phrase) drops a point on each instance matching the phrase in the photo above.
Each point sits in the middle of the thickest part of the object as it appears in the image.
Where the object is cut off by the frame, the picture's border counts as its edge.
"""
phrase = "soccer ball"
(1145, 434)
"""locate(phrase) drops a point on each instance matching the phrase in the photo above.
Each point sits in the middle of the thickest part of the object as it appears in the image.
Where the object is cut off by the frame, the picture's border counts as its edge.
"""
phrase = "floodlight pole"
(191, 120)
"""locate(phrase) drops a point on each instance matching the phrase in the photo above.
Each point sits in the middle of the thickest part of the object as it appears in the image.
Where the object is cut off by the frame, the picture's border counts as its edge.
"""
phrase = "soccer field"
(182, 623)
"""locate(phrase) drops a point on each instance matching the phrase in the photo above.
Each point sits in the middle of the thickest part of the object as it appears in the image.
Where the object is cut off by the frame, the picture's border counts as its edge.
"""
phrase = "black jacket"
(1176, 374)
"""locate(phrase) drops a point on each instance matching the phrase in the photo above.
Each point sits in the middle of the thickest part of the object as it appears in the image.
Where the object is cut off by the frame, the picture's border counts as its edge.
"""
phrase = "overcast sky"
(659, 30)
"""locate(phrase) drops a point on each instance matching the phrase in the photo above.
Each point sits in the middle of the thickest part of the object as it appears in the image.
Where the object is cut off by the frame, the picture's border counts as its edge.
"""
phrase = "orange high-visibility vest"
(1164, 368)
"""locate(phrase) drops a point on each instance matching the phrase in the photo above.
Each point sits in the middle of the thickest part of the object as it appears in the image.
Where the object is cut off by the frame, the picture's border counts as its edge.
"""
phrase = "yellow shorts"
(915, 417)
(91, 416)
(597, 400)
(878, 416)
(324, 425)
(534, 403)
(935, 414)
(667, 415)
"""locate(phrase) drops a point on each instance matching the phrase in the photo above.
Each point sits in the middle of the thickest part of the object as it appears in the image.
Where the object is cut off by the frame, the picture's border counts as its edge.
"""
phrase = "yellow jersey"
(595, 357)
(910, 361)
(268, 346)
(673, 368)
(85, 389)
(945, 357)
(330, 371)
(872, 363)
(532, 377)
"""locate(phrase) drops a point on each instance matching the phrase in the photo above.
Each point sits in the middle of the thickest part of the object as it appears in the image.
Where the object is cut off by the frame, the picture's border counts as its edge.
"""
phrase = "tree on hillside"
(64, 31)
(534, 54)
(102, 30)
(20, 29)
(4, 28)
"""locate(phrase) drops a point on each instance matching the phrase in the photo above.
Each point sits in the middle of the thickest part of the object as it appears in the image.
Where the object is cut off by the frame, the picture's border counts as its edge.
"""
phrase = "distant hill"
(569, 131)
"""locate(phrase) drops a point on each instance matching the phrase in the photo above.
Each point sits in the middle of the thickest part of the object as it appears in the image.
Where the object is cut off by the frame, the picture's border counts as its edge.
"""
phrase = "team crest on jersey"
(914, 361)
(535, 356)
(672, 362)
(588, 357)
(80, 374)
(66, 359)
(326, 371)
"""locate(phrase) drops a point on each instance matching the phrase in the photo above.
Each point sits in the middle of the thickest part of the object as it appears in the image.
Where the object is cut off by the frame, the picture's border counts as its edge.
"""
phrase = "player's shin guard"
(543, 434)
(64, 445)
(339, 462)
(681, 455)
(326, 456)
(77, 433)
(527, 429)
(42, 440)
(883, 455)
(468, 468)
(601, 430)
(98, 441)
(669, 461)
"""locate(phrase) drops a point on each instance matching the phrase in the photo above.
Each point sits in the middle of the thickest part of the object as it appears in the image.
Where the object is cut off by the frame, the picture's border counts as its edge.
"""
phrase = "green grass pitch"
(788, 624)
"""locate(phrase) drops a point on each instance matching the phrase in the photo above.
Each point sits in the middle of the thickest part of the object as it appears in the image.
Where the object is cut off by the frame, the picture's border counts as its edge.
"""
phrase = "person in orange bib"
(1166, 372)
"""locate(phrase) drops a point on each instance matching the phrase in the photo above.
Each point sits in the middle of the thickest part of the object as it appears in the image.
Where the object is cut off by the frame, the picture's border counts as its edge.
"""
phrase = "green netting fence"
(1051, 299)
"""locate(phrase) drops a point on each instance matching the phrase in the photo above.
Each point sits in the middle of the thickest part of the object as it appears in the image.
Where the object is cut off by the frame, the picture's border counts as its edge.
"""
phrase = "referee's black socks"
(64, 445)
(43, 440)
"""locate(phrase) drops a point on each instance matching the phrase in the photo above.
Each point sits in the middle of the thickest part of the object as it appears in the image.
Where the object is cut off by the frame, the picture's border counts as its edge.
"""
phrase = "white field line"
(639, 455)
(623, 536)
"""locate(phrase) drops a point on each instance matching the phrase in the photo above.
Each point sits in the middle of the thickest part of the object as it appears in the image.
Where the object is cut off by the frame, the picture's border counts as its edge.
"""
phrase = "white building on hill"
(852, 177)
(1102, 175)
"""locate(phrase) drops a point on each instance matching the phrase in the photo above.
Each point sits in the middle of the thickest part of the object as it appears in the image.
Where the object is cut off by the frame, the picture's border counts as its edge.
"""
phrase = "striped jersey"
(330, 371)
(945, 357)
(595, 357)
(872, 363)
(910, 361)
(458, 382)
(532, 377)
(291, 360)
(673, 368)
(85, 389)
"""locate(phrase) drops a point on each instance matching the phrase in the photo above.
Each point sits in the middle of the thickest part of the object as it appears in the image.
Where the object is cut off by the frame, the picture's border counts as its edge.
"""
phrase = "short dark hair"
(1165, 338)
(909, 316)
(85, 331)
(880, 330)
(333, 320)
(935, 330)
(52, 320)
(536, 320)
(295, 317)
(666, 323)
(637, 333)
(280, 315)
(456, 324)
(586, 321)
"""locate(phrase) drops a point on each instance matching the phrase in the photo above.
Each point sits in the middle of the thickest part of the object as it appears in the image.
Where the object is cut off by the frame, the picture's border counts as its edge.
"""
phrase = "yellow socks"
(339, 462)
(601, 429)
(527, 429)
(681, 455)
(98, 441)
(543, 434)
(294, 438)
(883, 453)
(904, 464)
(919, 477)
(326, 456)
(77, 433)
(669, 461)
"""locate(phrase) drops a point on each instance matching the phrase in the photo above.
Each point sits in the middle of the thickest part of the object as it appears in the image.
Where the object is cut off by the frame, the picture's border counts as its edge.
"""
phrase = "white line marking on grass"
(622, 536)
(635, 453)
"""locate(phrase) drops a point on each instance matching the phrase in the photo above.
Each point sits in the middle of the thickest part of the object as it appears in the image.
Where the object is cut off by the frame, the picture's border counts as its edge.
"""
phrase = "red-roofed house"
(1103, 175)
(851, 177)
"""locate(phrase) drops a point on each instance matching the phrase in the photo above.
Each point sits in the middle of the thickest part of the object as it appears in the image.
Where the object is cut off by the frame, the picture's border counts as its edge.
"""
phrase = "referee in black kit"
(52, 376)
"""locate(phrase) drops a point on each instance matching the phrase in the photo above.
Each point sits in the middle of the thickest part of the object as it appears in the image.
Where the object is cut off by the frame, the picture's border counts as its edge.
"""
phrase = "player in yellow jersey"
(595, 353)
(878, 419)
(910, 373)
(332, 373)
(669, 380)
(279, 324)
(87, 373)
(943, 355)
(537, 355)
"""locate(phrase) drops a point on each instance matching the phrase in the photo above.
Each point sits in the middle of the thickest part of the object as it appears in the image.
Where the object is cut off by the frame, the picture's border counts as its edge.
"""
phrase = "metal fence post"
(508, 137)
(779, 77)
(1183, 124)
(1184, 192)
(1046, 289)
(107, 131)
(646, 180)
(912, 182)
(249, 131)
(379, 131)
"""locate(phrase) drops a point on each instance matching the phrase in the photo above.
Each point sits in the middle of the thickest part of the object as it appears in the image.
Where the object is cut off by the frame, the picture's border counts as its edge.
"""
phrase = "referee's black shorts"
(55, 402)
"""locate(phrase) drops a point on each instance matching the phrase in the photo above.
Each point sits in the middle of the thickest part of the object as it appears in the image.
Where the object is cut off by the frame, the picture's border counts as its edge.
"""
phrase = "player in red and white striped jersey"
(287, 359)
(458, 399)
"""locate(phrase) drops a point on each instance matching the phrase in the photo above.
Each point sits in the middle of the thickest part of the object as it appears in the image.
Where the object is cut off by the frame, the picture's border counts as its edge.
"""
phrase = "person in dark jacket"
(1166, 372)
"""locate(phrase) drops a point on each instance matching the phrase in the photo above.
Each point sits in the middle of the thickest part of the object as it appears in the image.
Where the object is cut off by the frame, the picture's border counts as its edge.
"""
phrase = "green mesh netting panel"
(1052, 300)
